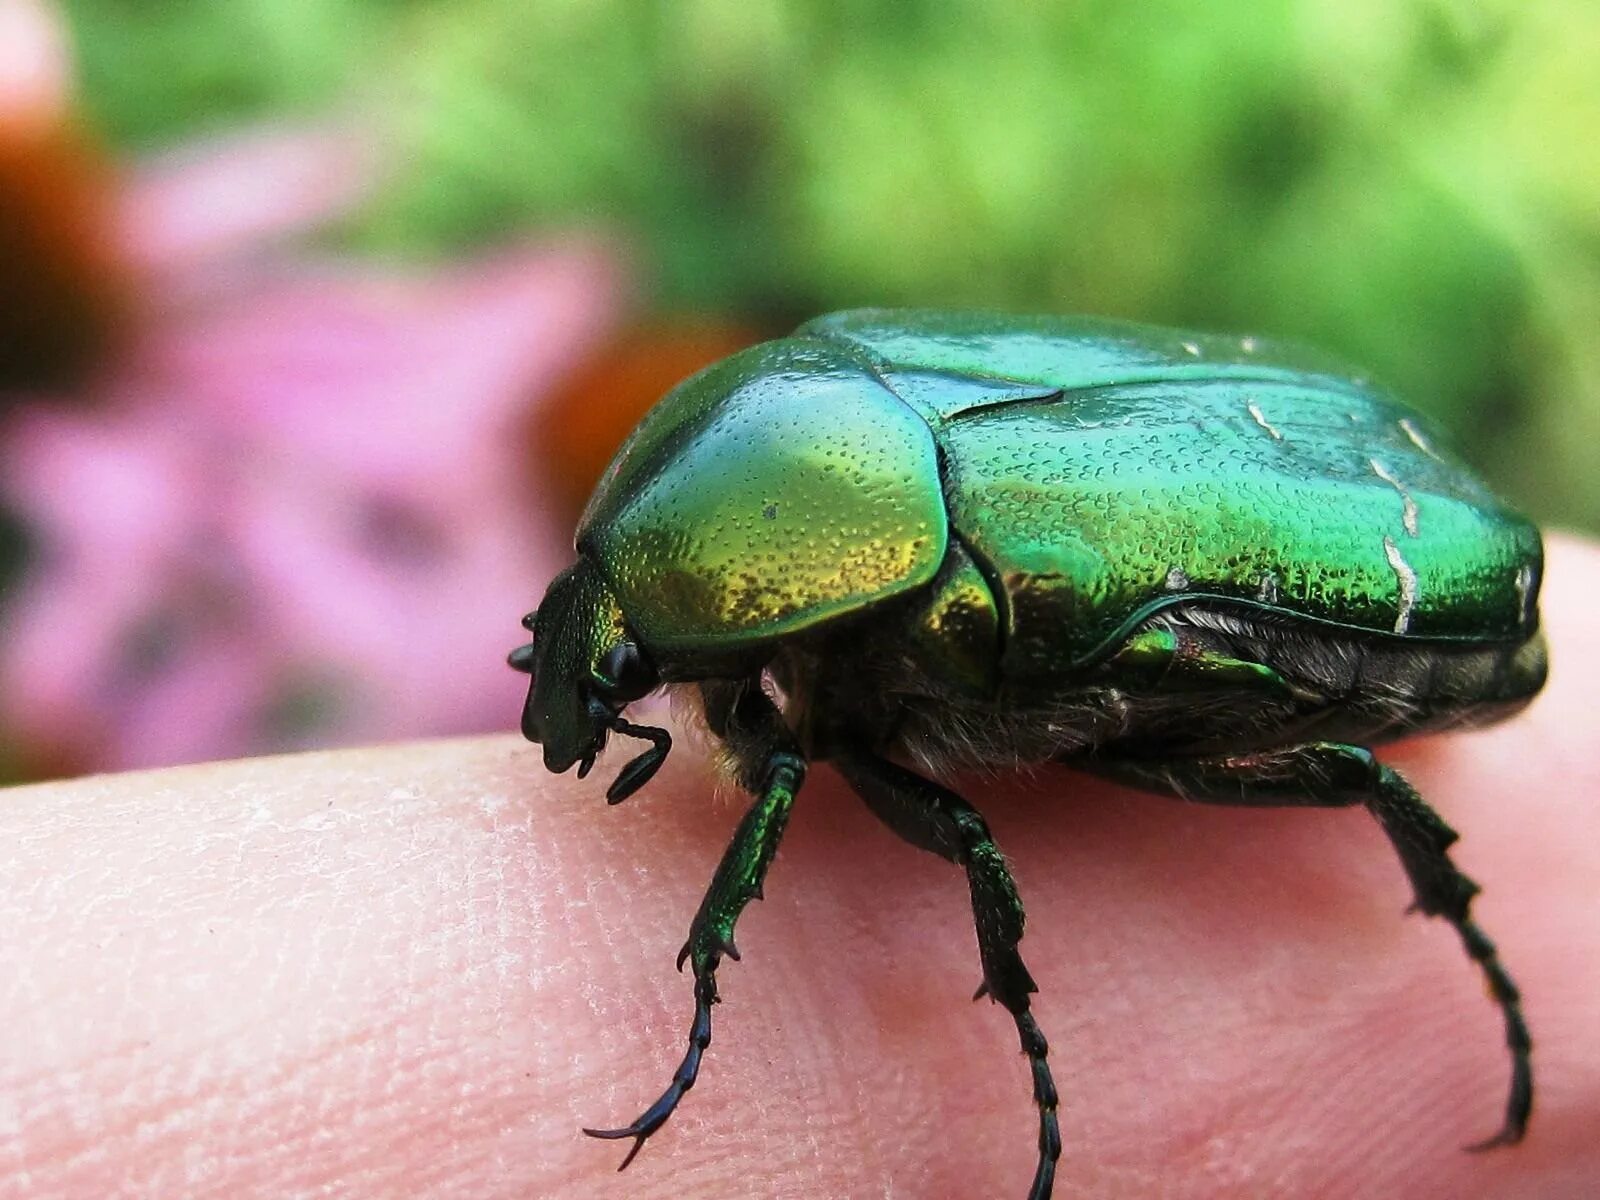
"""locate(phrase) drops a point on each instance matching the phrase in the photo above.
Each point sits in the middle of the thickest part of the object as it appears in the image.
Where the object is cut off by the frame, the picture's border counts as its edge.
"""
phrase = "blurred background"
(319, 319)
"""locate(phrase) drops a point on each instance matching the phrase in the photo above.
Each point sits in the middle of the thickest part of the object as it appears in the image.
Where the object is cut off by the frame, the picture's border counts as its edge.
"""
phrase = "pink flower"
(299, 517)
(297, 510)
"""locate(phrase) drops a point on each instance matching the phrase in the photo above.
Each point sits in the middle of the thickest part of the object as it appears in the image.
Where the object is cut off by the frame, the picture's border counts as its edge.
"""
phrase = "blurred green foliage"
(153, 72)
(1413, 183)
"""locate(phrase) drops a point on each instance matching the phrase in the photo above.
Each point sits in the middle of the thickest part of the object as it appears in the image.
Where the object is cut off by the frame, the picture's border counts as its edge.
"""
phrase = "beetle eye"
(529, 621)
(624, 674)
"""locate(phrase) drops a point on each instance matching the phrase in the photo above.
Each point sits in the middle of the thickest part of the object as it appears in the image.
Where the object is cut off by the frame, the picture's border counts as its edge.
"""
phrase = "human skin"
(418, 970)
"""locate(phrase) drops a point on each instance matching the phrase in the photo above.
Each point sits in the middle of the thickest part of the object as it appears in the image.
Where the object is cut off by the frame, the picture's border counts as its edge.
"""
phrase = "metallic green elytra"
(905, 542)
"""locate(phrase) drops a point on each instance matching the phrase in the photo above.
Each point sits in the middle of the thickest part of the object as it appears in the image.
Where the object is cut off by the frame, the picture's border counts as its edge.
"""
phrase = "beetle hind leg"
(936, 819)
(1330, 774)
(1422, 839)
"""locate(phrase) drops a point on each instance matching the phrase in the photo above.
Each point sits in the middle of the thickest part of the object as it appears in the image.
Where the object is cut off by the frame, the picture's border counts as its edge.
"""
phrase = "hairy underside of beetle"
(1344, 685)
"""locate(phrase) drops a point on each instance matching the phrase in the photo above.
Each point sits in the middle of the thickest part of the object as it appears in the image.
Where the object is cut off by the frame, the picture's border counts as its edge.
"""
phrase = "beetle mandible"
(905, 542)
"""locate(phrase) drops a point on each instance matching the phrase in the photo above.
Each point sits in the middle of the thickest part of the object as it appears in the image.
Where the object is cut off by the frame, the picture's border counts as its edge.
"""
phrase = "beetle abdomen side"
(1343, 686)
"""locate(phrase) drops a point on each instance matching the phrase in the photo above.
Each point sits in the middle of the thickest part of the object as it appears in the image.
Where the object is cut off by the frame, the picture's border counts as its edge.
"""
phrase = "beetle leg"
(1174, 660)
(773, 769)
(1330, 774)
(936, 819)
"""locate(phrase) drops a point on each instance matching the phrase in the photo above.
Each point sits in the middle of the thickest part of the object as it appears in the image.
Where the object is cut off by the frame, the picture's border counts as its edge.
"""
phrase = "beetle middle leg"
(771, 767)
(936, 819)
(1330, 774)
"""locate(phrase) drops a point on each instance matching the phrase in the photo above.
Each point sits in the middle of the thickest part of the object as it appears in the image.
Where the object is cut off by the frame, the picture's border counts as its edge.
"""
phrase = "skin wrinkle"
(223, 987)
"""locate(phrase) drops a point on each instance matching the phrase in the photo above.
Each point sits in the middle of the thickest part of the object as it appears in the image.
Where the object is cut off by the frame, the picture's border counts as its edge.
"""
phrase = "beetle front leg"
(1331, 774)
(773, 769)
(936, 819)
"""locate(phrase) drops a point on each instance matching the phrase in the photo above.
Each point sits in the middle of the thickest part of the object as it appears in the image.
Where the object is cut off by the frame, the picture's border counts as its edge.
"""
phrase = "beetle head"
(586, 667)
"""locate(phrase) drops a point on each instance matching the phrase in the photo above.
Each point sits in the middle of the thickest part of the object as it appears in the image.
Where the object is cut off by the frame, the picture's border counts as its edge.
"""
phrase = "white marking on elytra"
(1192, 348)
(1408, 584)
(1408, 514)
(1409, 428)
(1525, 591)
(1254, 410)
(1177, 579)
(1248, 345)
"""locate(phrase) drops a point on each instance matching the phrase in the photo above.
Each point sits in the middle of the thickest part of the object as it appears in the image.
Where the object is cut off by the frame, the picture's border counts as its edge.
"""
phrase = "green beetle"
(906, 542)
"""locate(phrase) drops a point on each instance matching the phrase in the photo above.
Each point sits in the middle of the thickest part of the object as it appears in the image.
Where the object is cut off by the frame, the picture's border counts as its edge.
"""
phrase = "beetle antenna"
(638, 772)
